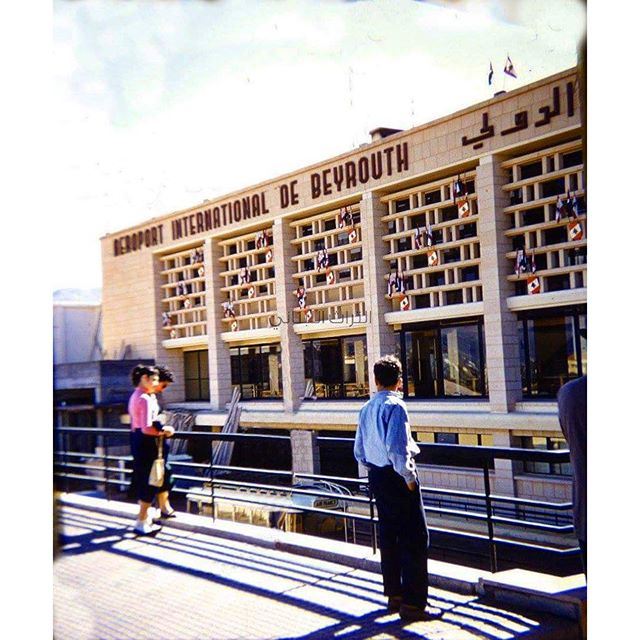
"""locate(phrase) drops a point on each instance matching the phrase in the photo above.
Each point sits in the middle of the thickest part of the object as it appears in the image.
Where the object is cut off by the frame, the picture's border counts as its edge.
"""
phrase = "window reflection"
(257, 371)
(444, 360)
(337, 367)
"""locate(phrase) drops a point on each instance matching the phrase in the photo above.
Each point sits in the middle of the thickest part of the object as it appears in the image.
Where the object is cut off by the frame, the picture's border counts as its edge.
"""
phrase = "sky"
(159, 105)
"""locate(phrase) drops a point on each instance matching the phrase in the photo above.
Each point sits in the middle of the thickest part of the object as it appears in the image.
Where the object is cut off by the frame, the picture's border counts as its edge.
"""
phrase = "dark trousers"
(404, 538)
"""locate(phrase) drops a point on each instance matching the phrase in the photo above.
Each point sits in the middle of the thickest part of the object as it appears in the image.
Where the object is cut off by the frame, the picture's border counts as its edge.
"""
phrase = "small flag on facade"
(575, 231)
(429, 235)
(322, 259)
(251, 292)
(269, 255)
(509, 68)
(572, 206)
(533, 285)
(418, 240)
(464, 208)
(459, 189)
(234, 325)
(405, 303)
(345, 217)
(432, 258)
(490, 72)
(353, 235)
(559, 208)
(245, 276)
(331, 277)
(521, 262)
(308, 315)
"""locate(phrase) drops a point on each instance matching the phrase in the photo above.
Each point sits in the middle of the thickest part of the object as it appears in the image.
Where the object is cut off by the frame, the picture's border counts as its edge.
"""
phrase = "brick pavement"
(110, 584)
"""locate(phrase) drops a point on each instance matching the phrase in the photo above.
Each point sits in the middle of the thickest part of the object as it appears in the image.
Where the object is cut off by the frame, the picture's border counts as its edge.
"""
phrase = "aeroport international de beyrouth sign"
(388, 161)
(369, 168)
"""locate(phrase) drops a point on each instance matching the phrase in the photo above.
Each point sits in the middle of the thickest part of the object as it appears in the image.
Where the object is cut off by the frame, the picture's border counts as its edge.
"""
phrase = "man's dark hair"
(142, 370)
(165, 374)
(387, 371)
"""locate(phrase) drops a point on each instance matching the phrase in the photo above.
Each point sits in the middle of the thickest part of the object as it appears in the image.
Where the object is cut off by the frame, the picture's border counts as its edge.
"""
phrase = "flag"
(509, 69)
(353, 235)
(418, 241)
(234, 325)
(458, 189)
(533, 285)
(322, 259)
(521, 262)
(572, 206)
(344, 216)
(302, 302)
(331, 276)
(464, 208)
(559, 208)
(490, 73)
(245, 276)
(432, 258)
(308, 315)
(269, 255)
(575, 231)
(252, 291)
(429, 235)
(405, 303)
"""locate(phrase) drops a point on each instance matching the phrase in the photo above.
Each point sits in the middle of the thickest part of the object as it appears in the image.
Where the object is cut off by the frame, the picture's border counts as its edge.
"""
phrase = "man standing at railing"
(572, 413)
(384, 445)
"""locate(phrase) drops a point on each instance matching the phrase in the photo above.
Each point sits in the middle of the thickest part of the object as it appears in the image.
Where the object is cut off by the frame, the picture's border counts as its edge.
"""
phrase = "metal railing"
(496, 510)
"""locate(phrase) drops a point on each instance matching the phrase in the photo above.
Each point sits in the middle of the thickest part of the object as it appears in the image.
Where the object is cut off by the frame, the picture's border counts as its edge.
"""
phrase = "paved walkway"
(179, 585)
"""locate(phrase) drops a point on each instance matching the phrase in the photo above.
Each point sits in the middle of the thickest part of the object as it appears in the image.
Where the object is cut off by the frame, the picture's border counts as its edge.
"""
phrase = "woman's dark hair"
(142, 370)
(165, 374)
(387, 371)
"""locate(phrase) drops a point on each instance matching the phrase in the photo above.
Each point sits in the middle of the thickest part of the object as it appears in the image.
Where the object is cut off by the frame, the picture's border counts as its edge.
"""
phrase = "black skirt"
(144, 450)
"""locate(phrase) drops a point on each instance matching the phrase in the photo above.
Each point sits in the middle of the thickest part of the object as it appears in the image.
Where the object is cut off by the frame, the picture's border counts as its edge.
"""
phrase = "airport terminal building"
(460, 245)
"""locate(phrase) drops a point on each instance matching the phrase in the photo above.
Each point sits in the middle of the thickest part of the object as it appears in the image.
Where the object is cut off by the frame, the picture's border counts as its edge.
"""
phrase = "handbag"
(156, 475)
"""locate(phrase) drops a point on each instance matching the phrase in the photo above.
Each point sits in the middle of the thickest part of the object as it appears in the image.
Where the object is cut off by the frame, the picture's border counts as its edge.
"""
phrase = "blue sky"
(159, 105)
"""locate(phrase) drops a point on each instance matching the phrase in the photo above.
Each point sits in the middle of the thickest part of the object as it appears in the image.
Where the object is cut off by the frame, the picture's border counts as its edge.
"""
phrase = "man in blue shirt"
(384, 445)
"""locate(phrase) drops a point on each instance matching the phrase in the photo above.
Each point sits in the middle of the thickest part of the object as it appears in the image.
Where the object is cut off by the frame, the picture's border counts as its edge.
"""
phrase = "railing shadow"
(106, 533)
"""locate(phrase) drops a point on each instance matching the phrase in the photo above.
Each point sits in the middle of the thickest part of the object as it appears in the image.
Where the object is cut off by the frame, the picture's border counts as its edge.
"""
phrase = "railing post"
(371, 518)
(105, 458)
(487, 497)
(213, 497)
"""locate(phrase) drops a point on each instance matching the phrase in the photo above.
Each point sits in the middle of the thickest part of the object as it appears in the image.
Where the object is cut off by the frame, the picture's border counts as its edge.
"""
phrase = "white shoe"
(145, 527)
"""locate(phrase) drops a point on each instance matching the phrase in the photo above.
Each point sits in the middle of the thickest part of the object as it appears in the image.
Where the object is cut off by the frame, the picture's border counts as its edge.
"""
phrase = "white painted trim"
(548, 299)
(435, 313)
(268, 334)
(181, 343)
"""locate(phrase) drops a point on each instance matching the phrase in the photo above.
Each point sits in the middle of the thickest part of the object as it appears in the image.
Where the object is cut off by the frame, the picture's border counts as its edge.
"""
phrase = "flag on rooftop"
(490, 72)
(509, 68)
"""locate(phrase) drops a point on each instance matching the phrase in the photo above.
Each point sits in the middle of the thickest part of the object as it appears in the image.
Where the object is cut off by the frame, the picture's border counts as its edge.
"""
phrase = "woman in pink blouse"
(145, 429)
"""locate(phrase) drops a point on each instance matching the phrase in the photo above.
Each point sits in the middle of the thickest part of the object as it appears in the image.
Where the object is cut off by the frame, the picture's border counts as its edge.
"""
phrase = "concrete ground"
(181, 584)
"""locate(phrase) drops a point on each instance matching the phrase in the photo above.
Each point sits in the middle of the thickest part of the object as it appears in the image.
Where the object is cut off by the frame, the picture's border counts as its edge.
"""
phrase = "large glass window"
(257, 371)
(337, 367)
(443, 360)
(553, 350)
(196, 375)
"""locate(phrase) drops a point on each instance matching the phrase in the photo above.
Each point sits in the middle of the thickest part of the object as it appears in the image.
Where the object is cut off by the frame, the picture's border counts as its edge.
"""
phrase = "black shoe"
(409, 613)
(166, 516)
(394, 603)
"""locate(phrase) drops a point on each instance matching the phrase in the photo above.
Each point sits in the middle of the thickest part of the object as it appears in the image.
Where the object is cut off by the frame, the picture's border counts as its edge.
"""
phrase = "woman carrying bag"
(149, 448)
